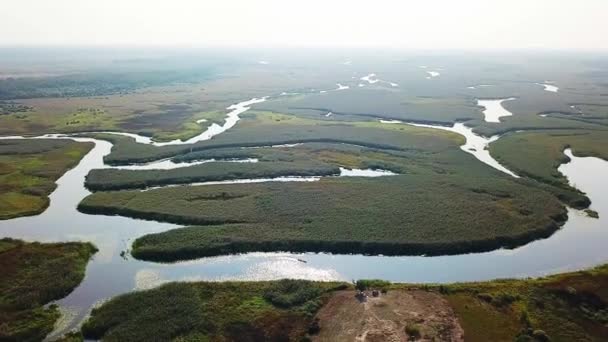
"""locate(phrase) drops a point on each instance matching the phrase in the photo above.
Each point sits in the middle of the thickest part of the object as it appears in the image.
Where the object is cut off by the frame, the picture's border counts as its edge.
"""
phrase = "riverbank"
(34, 275)
(570, 306)
(538, 257)
(509, 212)
(29, 169)
(325, 216)
(224, 239)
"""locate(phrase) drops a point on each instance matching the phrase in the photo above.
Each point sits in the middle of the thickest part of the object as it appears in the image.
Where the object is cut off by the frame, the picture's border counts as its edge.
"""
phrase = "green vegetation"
(372, 284)
(425, 213)
(373, 104)
(8, 107)
(188, 128)
(263, 129)
(243, 311)
(438, 192)
(592, 213)
(443, 201)
(413, 331)
(29, 169)
(33, 275)
(165, 114)
(93, 83)
(311, 159)
(538, 154)
(566, 307)
(159, 97)
(112, 179)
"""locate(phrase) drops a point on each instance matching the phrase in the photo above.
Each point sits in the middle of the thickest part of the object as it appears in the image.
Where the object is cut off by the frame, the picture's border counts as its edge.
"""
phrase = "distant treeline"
(94, 84)
(11, 107)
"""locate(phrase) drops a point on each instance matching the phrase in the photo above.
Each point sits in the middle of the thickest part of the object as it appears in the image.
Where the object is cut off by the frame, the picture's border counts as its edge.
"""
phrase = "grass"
(408, 214)
(446, 202)
(564, 307)
(243, 311)
(29, 169)
(310, 159)
(443, 202)
(128, 179)
(263, 129)
(538, 154)
(161, 113)
(369, 103)
(95, 83)
(8, 107)
(33, 275)
(160, 101)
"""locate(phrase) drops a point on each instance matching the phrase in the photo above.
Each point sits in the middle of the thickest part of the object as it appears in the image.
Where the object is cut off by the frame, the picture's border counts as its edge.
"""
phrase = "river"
(580, 243)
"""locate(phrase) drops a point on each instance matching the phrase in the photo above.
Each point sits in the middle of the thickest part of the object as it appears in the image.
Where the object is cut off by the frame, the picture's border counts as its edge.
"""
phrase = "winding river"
(231, 119)
(112, 272)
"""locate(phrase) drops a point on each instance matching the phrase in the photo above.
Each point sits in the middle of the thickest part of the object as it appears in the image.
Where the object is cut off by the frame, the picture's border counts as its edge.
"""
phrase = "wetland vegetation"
(264, 129)
(427, 209)
(218, 171)
(234, 311)
(403, 214)
(29, 169)
(441, 200)
(564, 307)
(538, 154)
(33, 275)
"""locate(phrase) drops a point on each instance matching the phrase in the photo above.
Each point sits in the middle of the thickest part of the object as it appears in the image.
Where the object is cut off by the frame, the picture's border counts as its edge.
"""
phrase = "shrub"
(340, 287)
(571, 290)
(288, 293)
(314, 327)
(444, 289)
(413, 331)
(365, 284)
(505, 298)
(524, 318)
(540, 336)
(486, 297)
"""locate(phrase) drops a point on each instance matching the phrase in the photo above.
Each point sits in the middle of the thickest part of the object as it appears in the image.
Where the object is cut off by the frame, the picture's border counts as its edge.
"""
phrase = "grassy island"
(442, 200)
(538, 154)
(405, 214)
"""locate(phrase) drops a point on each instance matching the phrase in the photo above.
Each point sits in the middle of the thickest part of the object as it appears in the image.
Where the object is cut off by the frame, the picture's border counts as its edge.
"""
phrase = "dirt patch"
(385, 318)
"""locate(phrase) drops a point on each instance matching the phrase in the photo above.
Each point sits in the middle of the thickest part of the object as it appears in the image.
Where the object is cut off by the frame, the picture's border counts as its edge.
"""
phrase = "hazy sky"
(440, 24)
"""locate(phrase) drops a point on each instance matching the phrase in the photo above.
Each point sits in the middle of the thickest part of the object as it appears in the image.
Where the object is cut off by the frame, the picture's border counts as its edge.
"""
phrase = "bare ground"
(384, 318)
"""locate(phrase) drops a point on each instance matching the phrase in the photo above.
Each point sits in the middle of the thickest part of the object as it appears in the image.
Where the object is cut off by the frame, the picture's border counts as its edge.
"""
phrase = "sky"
(408, 24)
